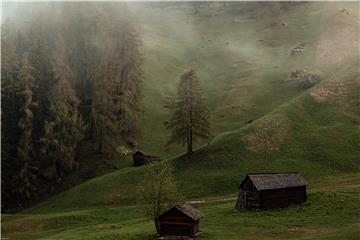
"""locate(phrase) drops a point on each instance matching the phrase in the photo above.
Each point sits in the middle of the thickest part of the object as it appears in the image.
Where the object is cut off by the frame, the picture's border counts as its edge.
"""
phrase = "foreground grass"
(332, 212)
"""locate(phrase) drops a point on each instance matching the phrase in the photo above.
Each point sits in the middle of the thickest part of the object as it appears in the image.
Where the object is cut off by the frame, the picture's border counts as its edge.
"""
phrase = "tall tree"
(27, 175)
(65, 128)
(39, 42)
(130, 79)
(158, 190)
(190, 118)
(106, 104)
(9, 114)
(84, 26)
(117, 89)
(105, 109)
(9, 109)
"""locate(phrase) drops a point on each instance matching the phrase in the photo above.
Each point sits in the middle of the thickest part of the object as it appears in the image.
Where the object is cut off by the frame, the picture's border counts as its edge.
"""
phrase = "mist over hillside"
(244, 55)
(281, 81)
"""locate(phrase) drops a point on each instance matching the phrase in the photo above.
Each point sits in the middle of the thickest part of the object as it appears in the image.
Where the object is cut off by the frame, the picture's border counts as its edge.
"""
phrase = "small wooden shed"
(271, 190)
(140, 158)
(181, 220)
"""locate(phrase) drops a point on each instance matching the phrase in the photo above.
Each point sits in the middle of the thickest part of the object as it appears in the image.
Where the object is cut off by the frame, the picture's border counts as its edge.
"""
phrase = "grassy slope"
(242, 62)
(300, 131)
(320, 139)
(327, 215)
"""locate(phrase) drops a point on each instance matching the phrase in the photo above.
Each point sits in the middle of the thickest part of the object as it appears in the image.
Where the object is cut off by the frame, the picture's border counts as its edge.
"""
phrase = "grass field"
(244, 63)
(332, 213)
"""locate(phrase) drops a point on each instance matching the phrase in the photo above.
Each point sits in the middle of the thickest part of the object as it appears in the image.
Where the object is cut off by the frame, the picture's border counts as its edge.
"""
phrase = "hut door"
(245, 200)
(241, 203)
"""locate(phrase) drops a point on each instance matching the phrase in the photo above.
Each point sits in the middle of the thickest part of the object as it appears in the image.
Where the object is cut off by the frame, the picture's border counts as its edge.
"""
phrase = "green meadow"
(331, 212)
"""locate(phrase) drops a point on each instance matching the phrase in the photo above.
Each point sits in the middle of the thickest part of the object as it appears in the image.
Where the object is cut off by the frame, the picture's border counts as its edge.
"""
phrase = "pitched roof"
(140, 153)
(267, 181)
(188, 210)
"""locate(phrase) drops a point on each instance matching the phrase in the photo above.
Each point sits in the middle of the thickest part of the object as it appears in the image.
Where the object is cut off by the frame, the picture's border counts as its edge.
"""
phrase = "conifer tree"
(9, 114)
(131, 79)
(39, 42)
(117, 88)
(105, 111)
(27, 175)
(65, 128)
(190, 118)
(84, 23)
(9, 108)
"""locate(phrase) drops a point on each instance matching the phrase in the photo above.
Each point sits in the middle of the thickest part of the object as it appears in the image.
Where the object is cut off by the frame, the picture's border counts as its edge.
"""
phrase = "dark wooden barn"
(181, 220)
(271, 190)
(140, 158)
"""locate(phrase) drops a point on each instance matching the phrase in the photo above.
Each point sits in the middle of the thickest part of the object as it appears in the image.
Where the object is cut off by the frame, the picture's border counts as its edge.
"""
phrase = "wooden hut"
(140, 158)
(180, 221)
(271, 190)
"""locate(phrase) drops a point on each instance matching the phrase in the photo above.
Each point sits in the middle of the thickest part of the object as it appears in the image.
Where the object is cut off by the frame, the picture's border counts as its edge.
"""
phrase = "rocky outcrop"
(305, 79)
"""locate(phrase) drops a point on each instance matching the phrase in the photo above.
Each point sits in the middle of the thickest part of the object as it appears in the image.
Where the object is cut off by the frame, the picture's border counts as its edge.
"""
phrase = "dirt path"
(213, 200)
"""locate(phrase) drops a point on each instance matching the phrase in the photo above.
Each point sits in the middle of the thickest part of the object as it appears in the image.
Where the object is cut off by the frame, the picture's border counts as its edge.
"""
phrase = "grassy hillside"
(242, 55)
(244, 61)
(315, 138)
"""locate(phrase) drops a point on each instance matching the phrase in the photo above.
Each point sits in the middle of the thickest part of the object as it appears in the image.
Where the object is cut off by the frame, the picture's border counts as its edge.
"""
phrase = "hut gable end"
(180, 222)
(247, 185)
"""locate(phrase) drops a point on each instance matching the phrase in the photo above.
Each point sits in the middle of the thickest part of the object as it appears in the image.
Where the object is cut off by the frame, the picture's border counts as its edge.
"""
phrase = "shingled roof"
(267, 181)
(188, 210)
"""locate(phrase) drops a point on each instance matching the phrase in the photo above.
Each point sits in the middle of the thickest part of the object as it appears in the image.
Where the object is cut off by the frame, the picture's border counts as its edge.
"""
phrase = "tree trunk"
(100, 141)
(190, 135)
(156, 221)
(190, 144)
(91, 135)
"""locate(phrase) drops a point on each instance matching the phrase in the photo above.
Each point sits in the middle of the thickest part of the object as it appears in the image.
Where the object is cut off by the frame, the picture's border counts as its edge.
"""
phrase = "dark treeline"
(72, 72)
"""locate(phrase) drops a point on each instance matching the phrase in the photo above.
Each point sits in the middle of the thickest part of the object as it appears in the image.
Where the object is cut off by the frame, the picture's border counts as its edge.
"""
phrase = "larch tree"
(106, 103)
(105, 108)
(26, 179)
(84, 24)
(131, 80)
(190, 117)
(158, 190)
(39, 42)
(117, 88)
(9, 108)
(65, 128)
(9, 114)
